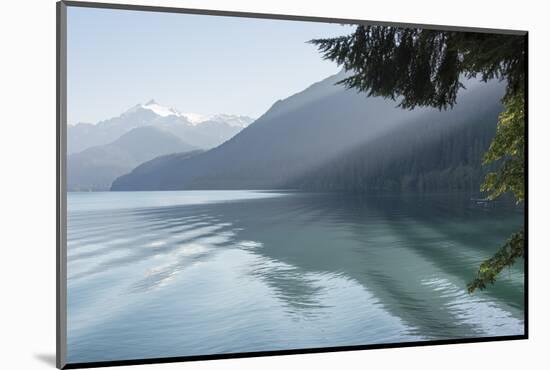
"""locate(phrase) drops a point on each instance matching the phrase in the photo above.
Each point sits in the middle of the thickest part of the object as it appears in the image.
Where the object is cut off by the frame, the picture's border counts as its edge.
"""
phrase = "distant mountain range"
(95, 168)
(198, 130)
(98, 154)
(330, 138)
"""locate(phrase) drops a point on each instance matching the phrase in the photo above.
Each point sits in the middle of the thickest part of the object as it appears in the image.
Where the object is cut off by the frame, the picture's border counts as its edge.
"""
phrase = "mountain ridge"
(205, 132)
(309, 129)
(94, 168)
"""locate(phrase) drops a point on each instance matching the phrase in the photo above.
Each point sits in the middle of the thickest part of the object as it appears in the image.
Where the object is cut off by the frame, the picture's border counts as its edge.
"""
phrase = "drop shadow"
(46, 358)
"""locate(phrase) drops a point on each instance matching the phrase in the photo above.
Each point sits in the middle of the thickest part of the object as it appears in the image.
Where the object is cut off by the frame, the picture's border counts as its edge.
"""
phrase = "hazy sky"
(195, 63)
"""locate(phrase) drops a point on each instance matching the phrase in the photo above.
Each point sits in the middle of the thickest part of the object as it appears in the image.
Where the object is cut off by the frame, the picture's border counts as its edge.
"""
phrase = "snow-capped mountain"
(197, 130)
(195, 118)
(232, 120)
(158, 109)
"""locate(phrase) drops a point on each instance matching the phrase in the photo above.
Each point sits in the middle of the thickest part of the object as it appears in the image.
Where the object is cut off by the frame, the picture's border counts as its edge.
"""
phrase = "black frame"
(61, 194)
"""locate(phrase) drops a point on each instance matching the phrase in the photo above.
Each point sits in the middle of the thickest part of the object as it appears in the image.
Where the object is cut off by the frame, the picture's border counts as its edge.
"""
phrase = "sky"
(194, 63)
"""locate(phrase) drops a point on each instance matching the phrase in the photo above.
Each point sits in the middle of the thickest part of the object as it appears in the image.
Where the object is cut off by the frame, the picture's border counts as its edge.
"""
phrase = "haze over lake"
(160, 274)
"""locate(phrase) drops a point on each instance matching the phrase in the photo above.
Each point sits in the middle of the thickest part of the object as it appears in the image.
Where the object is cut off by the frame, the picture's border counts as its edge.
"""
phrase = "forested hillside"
(423, 156)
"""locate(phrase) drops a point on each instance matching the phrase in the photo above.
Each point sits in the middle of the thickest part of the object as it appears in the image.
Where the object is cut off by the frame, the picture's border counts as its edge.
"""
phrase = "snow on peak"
(194, 118)
(229, 119)
(233, 120)
(161, 110)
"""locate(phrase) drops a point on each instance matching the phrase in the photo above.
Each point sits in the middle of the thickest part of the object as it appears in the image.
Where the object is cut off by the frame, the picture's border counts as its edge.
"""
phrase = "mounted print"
(234, 184)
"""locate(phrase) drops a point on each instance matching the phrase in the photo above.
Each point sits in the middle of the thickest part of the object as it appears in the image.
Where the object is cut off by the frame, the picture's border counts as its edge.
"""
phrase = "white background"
(27, 155)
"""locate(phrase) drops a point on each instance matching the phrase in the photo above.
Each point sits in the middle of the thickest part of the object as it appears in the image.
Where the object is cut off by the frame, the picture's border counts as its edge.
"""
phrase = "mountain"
(147, 172)
(95, 168)
(231, 120)
(198, 130)
(327, 130)
(421, 156)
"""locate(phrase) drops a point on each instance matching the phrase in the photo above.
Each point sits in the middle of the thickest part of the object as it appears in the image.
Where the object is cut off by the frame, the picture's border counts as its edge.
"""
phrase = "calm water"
(157, 274)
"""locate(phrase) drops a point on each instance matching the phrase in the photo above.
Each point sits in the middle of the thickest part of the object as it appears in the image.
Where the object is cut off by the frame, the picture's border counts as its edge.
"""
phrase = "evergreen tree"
(424, 67)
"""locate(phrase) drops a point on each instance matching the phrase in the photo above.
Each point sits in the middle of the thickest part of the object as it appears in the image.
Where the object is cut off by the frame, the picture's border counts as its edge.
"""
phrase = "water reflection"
(293, 271)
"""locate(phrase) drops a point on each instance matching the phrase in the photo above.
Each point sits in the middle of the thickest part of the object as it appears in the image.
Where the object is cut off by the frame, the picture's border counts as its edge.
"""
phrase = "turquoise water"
(161, 274)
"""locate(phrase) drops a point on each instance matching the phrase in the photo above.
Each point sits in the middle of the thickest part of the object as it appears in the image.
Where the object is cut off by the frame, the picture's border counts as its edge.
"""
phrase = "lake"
(161, 274)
